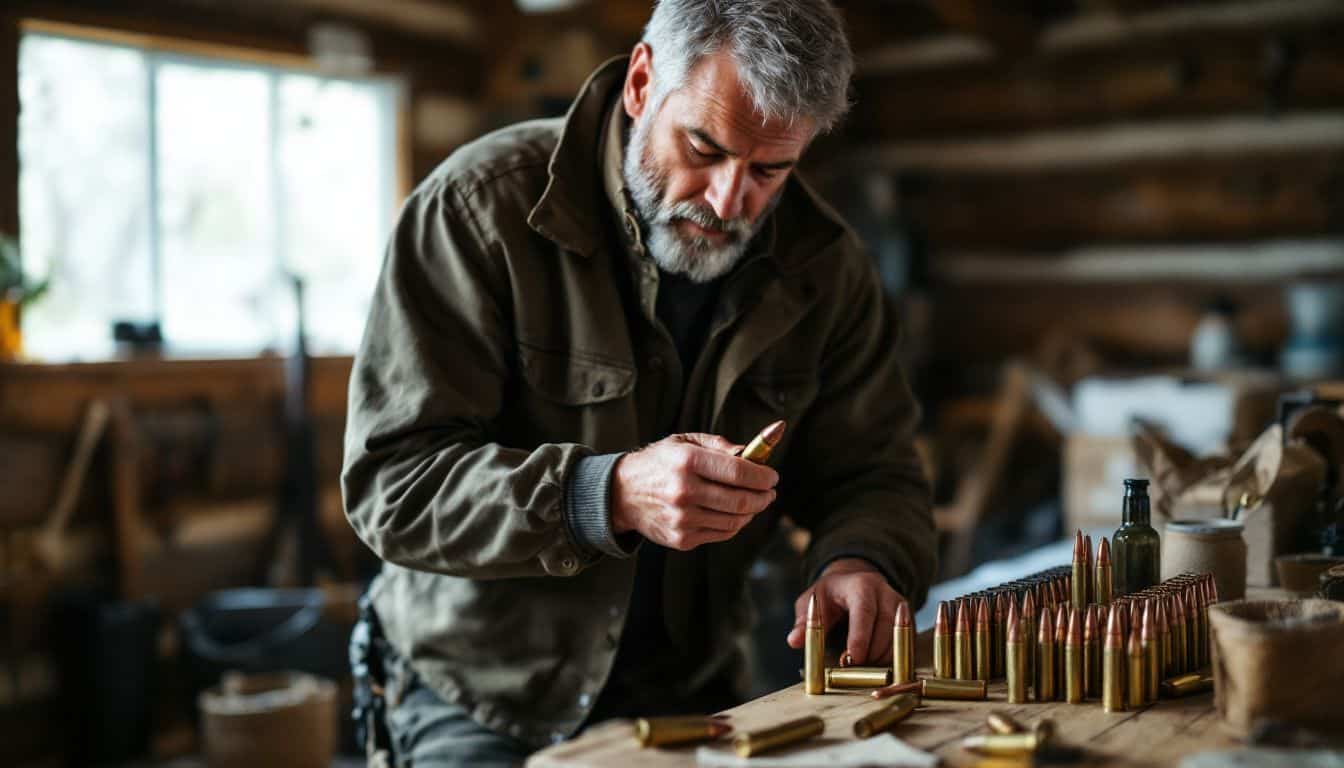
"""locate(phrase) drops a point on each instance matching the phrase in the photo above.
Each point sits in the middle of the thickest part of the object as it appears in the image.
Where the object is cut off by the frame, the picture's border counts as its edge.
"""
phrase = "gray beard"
(696, 257)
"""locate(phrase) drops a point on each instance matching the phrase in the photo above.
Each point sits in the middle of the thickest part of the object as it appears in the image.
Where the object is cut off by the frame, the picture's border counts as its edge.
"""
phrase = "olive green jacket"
(512, 335)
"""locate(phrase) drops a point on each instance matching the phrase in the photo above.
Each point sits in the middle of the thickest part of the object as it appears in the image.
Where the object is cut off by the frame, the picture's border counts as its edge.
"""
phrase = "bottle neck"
(1135, 510)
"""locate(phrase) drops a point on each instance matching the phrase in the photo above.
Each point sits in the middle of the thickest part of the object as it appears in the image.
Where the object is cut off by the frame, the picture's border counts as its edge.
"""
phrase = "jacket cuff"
(588, 509)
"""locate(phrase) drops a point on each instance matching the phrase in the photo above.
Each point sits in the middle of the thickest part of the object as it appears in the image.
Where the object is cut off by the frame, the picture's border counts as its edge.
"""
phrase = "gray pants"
(428, 732)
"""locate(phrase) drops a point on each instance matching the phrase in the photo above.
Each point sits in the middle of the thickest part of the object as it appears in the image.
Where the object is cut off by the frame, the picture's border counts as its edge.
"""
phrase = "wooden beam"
(1236, 266)
(1138, 323)
(1241, 197)
(1296, 65)
(1109, 146)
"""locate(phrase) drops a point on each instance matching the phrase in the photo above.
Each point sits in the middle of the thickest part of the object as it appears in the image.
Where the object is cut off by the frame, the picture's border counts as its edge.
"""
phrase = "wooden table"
(1158, 735)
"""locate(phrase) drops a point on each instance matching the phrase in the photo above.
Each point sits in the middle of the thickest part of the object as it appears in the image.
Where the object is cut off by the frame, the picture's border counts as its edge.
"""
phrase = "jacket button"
(584, 700)
(598, 389)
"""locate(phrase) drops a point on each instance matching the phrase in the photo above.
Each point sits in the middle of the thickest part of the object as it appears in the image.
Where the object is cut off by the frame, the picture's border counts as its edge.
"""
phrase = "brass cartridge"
(1045, 656)
(857, 677)
(814, 650)
(1151, 652)
(1180, 635)
(982, 639)
(1187, 684)
(1113, 667)
(758, 450)
(964, 690)
(1104, 580)
(1011, 744)
(1166, 663)
(942, 643)
(659, 731)
(1000, 634)
(1073, 659)
(1029, 636)
(903, 645)
(962, 647)
(1090, 575)
(1135, 673)
(887, 716)
(1078, 582)
(782, 735)
(1061, 639)
(1016, 659)
(1091, 654)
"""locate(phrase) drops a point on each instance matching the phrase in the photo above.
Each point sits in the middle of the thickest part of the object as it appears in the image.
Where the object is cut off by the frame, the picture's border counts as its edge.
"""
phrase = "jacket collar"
(569, 210)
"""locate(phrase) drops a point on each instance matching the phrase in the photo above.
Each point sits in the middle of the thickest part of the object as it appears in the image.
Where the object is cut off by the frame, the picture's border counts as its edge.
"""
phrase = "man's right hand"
(687, 490)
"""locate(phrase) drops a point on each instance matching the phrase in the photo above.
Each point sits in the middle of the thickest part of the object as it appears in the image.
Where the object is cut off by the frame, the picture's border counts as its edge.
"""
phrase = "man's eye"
(698, 153)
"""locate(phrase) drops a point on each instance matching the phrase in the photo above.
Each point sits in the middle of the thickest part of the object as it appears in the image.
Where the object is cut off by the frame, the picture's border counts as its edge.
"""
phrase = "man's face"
(703, 168)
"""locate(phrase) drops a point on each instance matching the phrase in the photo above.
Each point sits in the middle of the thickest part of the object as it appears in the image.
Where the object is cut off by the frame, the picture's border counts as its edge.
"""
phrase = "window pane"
(215, 209)
(336, 166)
(83, 190)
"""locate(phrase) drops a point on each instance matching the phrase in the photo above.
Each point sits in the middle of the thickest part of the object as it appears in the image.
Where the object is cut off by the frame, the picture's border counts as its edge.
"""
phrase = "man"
(648, 271)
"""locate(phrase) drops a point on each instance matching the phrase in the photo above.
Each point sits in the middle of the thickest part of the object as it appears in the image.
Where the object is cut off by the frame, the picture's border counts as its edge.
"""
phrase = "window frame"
(158, 50)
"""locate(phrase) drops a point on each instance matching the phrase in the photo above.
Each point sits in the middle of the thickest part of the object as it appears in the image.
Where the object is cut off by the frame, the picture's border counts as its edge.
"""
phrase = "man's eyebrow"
(704, 137)
(714, 145)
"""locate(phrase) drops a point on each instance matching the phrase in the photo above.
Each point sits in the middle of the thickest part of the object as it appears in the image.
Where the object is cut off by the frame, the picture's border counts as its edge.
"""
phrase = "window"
(156, 186)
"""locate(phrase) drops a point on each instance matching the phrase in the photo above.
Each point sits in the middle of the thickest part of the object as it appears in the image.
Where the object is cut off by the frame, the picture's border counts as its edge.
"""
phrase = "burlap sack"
(1278, 660)
(1270, 488)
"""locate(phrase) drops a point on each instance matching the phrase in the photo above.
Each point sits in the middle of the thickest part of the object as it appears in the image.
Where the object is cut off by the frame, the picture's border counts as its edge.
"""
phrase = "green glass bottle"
(1135, 548)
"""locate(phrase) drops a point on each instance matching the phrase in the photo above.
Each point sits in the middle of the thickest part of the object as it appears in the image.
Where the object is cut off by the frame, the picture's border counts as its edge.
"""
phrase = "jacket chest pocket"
(762, 399)
(572, 397)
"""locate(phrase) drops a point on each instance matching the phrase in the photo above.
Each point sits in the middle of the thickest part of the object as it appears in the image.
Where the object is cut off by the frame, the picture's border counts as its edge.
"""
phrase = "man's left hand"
(854, 587)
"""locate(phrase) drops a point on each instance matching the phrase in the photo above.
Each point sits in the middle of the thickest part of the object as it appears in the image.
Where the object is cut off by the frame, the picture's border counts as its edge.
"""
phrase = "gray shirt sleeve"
(587, 509)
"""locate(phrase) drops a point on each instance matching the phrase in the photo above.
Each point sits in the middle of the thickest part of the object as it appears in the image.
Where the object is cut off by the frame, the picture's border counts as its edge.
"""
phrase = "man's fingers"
(730, 500)
(731, 470)
(711, 441)
(862, 616)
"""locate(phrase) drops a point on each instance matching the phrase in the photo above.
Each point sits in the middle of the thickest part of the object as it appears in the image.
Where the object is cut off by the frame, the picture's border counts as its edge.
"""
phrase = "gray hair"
(792, 55)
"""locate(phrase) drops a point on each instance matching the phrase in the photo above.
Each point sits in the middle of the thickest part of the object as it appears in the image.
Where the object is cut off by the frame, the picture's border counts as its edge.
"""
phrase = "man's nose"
(726, 192)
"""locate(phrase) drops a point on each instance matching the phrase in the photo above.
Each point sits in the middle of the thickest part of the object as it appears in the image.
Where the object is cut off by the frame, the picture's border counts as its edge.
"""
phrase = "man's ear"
(638, 90)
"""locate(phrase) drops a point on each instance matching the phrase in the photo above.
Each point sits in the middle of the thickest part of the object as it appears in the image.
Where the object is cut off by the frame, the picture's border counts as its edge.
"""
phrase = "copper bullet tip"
(1135, 645)
(903, 614)
(813, 615)
(1014, 626)
(1079, 551)
(720, 729)
(1075, 629)
(940, 619)
(1114, 637)
(1090, 623)
(1148, 625)
(1012, 617)
(1061, 624)
(771, 434)
(982, 613)
(1028, 604)
(1178, 608)
(1104, 552)
(963, 619)
(1046, 633)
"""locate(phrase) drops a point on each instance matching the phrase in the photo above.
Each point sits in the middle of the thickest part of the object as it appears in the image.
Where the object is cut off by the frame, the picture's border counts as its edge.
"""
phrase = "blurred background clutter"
(1114, 230)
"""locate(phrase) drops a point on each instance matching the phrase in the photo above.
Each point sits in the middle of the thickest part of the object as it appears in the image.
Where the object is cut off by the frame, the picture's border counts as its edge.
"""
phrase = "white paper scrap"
(883, 750)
